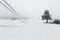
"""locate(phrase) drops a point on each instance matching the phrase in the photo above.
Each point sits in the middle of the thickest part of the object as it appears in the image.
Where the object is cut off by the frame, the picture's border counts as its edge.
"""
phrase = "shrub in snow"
(56, 21)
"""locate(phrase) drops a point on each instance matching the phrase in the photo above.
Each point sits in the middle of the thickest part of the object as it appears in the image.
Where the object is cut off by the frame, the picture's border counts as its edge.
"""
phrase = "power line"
(6, 7)
(12, 9)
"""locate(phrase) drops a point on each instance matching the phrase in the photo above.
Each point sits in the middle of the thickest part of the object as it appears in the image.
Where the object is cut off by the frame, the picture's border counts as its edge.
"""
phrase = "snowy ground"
(30, 30)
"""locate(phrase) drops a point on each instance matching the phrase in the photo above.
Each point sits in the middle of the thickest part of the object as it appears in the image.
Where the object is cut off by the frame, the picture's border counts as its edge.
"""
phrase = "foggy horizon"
(35, 8)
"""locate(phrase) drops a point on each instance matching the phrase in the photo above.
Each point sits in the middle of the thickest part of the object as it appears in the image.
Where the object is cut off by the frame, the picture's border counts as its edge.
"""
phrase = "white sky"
(35, 8)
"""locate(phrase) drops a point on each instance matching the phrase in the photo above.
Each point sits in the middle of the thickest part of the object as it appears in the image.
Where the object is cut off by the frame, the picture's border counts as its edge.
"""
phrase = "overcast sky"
(35, 8)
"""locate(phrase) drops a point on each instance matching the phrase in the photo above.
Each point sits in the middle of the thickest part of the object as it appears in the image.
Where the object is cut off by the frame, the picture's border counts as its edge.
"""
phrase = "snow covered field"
(30, 30)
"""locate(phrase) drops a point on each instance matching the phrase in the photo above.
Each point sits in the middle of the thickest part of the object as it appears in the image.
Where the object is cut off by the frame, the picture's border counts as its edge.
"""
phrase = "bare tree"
(46, 16)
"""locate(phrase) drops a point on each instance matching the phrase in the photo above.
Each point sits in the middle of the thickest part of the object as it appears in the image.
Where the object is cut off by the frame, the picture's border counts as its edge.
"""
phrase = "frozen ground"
(29, 30)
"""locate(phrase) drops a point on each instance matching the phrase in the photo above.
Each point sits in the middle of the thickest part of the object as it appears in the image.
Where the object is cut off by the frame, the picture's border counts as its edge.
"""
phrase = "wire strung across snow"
(11, 9)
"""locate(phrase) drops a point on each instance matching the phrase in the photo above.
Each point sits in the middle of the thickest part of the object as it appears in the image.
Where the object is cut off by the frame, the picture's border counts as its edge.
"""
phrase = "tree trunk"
(47, 21)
